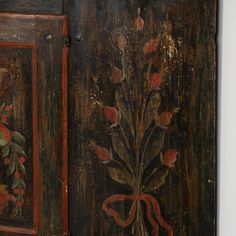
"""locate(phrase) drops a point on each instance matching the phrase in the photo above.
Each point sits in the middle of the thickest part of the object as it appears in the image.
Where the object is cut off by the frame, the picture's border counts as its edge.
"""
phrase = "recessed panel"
(16, 138)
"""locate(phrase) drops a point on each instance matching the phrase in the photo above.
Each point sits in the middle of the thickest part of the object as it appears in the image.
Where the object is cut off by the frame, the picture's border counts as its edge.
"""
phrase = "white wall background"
(227, 118)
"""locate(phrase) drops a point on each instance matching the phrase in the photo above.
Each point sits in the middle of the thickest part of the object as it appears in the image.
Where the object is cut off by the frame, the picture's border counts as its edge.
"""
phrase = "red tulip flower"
(169, 158)
(117, 75)
(19, 191)
(17, 174)
(6, 161)
(8, 108)
(19, 203)
(155, 80)
(5, 135)
(164, 119)
(102, 153)
(111, 114)
(139, 23)
(150, 46)
(21, 159)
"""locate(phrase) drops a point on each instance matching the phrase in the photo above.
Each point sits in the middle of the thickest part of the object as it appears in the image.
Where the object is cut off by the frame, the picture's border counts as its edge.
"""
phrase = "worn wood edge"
(65, 128)
(35, 137)
(31, 16)
(17, 230)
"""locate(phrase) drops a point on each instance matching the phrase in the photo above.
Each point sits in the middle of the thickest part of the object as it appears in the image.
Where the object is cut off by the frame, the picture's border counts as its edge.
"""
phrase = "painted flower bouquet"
(137, 127)
(14, 157)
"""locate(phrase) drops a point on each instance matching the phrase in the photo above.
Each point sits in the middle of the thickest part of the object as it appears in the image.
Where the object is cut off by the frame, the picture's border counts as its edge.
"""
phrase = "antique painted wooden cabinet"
(108, 117)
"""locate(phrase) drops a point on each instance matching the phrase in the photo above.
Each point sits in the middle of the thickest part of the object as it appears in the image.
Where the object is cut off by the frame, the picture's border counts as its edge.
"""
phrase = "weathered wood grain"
(188, 199)
(28, 6)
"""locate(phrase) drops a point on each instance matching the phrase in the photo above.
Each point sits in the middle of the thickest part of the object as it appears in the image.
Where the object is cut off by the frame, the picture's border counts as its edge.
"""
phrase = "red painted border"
(34, 230)
(65, 128)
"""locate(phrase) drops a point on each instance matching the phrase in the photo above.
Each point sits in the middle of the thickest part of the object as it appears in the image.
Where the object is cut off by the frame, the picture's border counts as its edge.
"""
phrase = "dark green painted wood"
(188, 199)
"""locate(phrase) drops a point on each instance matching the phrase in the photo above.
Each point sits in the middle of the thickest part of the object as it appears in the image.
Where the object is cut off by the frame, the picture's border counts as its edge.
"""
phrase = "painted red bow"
(151, 205)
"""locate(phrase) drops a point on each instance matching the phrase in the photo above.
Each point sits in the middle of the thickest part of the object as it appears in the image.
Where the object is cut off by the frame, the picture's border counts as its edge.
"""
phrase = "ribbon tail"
(115, 214)
(159, 217)
(149, 216)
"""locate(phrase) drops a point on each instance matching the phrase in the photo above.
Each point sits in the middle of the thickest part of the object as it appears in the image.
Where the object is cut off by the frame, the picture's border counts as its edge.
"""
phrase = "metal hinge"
(66, 41)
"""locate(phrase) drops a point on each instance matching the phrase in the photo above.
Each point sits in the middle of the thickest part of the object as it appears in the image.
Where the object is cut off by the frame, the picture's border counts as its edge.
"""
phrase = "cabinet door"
(33, 125)
(142, 126)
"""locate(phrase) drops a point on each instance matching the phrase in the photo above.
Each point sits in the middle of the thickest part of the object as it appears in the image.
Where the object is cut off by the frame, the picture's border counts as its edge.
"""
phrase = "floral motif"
(139, 22)
(155, 80)
(137, 149)
(169, 158)
(150, 46)
(102, 153)
(164, 119)
(111, 114)
(116, 75)
(14, 157)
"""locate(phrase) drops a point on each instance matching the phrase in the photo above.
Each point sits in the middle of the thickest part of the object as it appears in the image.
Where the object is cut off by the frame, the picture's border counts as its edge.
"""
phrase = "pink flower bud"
(155, 80)
(102, 153)
(169, 158)
(150, 46)
(139, 23)
(19, 203)
(111, 114)
(6, 161)
(117, 75)
(164, 119)
(21, 159)
(17, 174)
(8, 108)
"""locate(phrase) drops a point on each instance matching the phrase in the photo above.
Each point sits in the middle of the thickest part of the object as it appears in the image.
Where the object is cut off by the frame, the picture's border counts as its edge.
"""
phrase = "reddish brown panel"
(33, 68)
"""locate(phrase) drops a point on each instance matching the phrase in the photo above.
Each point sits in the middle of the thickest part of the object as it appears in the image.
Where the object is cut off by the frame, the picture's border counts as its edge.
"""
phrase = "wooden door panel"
(33, 68)
(142, 86)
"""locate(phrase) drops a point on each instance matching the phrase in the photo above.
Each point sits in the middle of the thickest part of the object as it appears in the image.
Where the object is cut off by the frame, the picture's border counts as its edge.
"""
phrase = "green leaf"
(151, 109)
(120, 175)
(5, 113)
(120, 149)
(17, 149)
(18, 137)
(21, 168)
(2, 106)
(123, 110)
(11, 168)
(15, 183)
(22, 183)
(154, 147)
(5, 151)
(156, 180)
